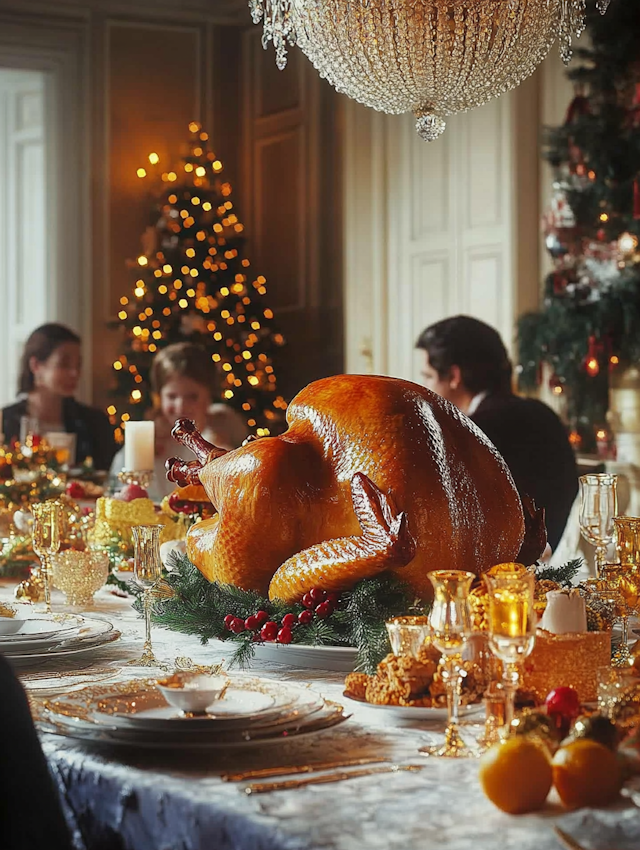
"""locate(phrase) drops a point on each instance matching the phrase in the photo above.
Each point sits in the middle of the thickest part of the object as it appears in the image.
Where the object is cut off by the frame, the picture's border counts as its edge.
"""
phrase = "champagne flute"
(147, 571)
(512, 624)
(47, 526)
(450, 622)
(598, 507)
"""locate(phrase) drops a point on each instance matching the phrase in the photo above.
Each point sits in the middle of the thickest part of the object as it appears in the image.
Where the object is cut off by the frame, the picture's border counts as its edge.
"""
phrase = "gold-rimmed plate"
(140, 705)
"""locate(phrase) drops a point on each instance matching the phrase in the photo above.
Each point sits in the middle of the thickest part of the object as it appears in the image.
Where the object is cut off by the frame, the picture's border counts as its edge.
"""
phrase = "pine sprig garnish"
(199, 607)
(563, 575)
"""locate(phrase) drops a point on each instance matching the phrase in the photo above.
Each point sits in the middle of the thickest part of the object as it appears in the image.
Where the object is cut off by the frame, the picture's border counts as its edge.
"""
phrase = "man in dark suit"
(466, 363)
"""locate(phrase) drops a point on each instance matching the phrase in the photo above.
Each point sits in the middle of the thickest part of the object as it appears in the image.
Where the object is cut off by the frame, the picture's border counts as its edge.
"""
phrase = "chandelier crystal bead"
(430, 57)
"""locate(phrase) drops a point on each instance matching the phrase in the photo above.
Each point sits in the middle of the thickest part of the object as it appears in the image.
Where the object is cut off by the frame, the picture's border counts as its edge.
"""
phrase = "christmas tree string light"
(193, 283)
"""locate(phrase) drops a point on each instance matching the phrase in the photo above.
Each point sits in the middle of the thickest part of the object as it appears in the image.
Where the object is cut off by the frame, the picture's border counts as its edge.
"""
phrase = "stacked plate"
(47, 636)
(252, 712)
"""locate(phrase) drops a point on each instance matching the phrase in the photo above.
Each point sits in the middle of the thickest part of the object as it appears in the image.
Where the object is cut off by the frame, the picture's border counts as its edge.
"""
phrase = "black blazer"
(94, 434)
(534, 443)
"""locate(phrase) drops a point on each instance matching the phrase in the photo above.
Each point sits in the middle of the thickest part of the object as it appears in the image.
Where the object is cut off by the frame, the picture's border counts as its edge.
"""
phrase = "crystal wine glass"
(46, 533)
(598, 507)
(147, 571)
(512, 623)
(450, 622)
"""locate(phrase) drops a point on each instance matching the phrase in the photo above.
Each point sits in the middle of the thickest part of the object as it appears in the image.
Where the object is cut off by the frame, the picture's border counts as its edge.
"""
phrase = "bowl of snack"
(193, 693)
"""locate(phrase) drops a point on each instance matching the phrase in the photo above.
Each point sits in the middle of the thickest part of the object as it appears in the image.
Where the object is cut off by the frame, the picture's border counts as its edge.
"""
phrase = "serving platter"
(410, 712)
(340, 659)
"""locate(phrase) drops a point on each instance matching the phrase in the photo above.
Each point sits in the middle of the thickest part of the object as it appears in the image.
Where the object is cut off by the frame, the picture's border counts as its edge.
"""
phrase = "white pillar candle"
(139, 440)
(566, 613)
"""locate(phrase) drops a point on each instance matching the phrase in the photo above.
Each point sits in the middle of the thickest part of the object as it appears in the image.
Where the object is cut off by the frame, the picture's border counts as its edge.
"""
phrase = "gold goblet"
(511, 627)
(623, 594)
(598, 507)
(147, 571)
(628, 541)
(46, 533)
(450, 622)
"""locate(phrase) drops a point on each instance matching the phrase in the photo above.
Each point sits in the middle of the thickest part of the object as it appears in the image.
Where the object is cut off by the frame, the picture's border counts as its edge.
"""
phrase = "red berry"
(228, 620)
(305, 617)
(284, 635)
(289, 620)
(332, 598)
(563, 701)
(324, 610)
(308, 601)
(261, 617)
(237, 625)
(318, 594)
(269, 631)
(251, 623)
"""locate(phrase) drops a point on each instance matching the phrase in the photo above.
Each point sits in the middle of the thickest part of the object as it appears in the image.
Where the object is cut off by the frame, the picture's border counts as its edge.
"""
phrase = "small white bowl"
(10, 626)
(193, 694)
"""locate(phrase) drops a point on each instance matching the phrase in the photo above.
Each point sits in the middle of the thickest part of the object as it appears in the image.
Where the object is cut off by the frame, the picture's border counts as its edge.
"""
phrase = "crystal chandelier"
(429, 57)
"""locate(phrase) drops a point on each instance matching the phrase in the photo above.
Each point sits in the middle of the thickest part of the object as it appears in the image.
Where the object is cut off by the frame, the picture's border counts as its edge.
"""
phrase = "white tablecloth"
(152, 800)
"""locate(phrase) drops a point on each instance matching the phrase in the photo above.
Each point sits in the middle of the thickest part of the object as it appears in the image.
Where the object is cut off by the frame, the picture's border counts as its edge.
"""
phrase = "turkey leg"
(182, 472)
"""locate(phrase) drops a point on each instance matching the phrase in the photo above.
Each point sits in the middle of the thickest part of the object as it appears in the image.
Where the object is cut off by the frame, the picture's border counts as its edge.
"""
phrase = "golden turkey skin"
(278, 497)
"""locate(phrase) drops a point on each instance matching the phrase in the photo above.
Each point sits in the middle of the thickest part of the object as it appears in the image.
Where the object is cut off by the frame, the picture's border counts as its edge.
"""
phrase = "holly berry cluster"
(317, 603)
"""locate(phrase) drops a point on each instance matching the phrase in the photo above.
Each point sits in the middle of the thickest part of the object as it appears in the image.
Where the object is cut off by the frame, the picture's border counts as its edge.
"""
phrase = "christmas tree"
(589, 323)
(192, 283)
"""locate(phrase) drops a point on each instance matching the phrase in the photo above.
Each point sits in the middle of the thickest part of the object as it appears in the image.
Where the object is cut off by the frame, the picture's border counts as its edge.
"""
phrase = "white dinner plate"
(409, 712)
(9, 626)
(340, 659)
(139, 705)
(87, 629)
(328, 716)
(40, 629)
(33, 659)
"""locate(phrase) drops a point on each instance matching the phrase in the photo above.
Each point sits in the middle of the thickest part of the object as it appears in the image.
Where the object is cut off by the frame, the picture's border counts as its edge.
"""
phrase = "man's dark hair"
(473, 346)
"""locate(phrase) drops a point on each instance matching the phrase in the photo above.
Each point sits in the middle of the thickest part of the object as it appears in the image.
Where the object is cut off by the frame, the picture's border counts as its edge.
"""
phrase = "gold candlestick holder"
(141, 477)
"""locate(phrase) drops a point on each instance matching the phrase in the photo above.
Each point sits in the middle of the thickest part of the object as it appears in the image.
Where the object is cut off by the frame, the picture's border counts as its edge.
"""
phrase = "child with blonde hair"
(183, 378)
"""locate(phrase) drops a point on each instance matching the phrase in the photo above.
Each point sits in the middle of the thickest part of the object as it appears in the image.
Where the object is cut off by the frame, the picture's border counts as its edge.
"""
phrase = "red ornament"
(289, 620)
(284, 635)
(228, 620)
(324, 610)
(307, 600)
(269, 631)
(236, 625)
(75, 490)
(131, 492)
(261, 617)
(563, 706)
(251, 623)
(305, 617)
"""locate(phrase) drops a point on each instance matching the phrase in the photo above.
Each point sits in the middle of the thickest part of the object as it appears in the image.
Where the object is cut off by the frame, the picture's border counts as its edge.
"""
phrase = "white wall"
(25, 282)
(451, 226)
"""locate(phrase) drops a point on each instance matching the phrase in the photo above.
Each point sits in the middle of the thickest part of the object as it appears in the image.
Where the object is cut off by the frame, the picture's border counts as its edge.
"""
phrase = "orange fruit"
(516, 775)
(586, 773)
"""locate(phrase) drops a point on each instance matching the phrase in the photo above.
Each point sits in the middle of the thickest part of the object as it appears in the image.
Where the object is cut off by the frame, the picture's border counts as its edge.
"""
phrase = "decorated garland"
(355, 618)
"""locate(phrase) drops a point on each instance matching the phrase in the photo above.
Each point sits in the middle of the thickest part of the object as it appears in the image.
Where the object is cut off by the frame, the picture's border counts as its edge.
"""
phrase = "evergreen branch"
(563, 575)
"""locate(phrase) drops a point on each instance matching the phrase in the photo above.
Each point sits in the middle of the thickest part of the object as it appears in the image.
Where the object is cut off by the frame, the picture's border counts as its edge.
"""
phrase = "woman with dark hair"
(49, 374)
(467, 363)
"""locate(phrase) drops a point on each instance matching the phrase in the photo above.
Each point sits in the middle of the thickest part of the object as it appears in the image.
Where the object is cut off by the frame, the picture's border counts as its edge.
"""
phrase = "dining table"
(156, 799)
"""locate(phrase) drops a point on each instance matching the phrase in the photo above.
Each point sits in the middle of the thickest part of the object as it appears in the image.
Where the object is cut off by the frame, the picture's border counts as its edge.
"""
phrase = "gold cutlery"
(266, 772)
(337, 776)
(568, 840)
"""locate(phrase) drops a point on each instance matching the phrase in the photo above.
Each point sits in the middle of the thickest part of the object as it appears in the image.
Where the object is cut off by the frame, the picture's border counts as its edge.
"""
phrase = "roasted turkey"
(372, 474)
